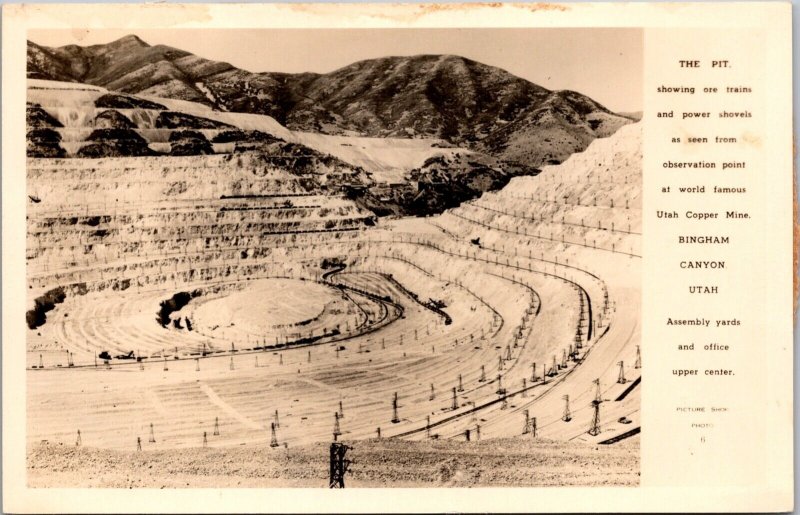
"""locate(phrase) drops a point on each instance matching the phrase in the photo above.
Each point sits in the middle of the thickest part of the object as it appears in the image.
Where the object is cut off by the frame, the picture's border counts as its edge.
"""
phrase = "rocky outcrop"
(441, 183)
(44, 142)
(189, 143)
(115, 101)
(240, 136)
(111, 119)
(115, 143)
(37, 316)
(176, 120)
(36, 117)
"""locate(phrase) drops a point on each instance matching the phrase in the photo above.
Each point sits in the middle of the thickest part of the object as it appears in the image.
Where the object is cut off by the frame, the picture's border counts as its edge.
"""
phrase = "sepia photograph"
(333, 258)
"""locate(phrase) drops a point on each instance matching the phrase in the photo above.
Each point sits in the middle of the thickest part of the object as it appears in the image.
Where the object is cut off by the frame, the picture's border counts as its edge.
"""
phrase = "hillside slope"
(74, 120)
(433, 96)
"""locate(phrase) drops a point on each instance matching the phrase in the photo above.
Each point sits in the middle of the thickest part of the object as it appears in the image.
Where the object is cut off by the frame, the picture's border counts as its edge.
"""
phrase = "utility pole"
(336, 429)
(455, 403)
(638, 358)
(597, 396)
(526, 427)
(460, 384)
(483, 375)
(395, 417)
(567, 413)
(433, 393)
(621, 379)
(338, 464)
(216, 426)
(274, 438)
(594, 429)
(152, 434)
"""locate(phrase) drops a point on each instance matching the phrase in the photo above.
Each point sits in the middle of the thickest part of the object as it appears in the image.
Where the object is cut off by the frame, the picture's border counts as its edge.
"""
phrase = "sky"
(605, 64)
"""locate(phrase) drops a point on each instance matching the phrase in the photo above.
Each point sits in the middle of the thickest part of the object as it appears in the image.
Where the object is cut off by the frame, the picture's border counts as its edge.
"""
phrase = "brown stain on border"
(417, 11)
(544, 6)
(424, 9)
(533, 7)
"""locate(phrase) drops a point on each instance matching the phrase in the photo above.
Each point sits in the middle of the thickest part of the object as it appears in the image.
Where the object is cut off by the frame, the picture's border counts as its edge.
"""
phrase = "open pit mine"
(197, 302)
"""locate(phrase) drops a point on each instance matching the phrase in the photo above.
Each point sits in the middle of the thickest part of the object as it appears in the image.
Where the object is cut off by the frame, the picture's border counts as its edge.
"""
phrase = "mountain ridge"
(447, 96)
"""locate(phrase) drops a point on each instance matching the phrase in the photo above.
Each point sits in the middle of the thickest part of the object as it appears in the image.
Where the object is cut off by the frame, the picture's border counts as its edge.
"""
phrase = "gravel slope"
(376, 463)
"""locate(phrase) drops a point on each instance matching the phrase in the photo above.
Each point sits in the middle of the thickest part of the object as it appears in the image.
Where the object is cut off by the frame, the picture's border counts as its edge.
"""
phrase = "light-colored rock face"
(109, 210)
(73, 108)
(517, 277)
(243, 297)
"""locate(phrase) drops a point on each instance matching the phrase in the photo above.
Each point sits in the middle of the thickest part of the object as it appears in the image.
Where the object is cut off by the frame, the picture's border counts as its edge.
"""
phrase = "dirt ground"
(375, 463)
